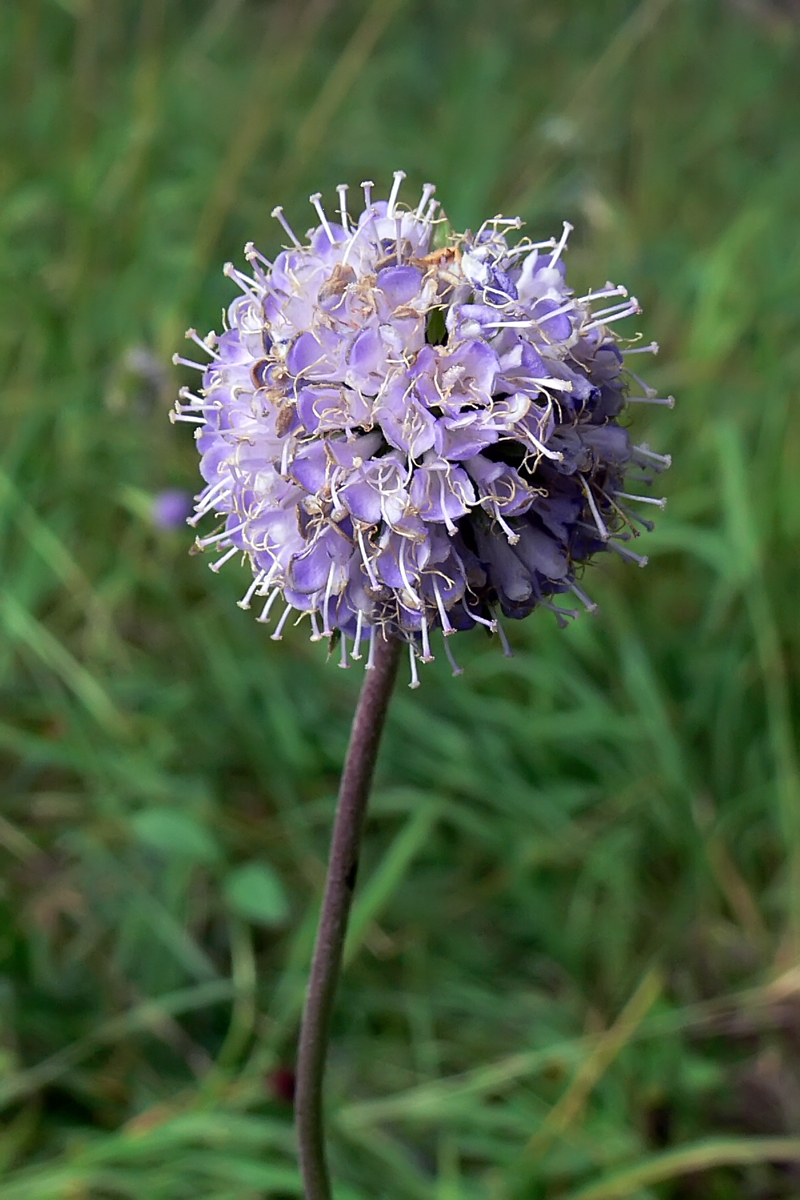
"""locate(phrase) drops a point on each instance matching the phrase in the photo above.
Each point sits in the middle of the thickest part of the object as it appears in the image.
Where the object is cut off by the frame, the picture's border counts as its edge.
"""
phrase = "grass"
(574, 966)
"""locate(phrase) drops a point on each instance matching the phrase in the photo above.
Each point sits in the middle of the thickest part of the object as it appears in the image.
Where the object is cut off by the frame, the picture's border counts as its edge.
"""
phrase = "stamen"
(398, 248)
(277, 212)
(215, 566)
(176, 415)
(359, 630)
(326, 629)
(659, 503)
(426, 655)
(315, 633)
(507, 651)
(365, 559)
(264, 617)
(646, 452)
(247, 284)
(629, 311)
(640, 559)
(412, 657)
(609, 290)
(316, 200)
(585, 600)
(513, 537)
(648, 391)
(567, 230)
(598, 520)
(254, 255)
(427, 191)
(341, 188)
(457, 670)
(653, 348)
(399, 176)
(367, 185)
(372, 643)
(194, 336)
(667, 401)
(432, 207)
(491, 625)
(179, 360)
(202, 543)
(343, 663)
(248, 596)
(278, 634)
(447, 627)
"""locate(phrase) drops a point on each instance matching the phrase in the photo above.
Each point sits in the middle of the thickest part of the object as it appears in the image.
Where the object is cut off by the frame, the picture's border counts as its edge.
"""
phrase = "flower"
(406, 430)
(171, 507)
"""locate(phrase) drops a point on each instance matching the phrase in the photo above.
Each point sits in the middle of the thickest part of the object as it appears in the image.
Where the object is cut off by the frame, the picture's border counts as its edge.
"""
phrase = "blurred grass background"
(574, 967)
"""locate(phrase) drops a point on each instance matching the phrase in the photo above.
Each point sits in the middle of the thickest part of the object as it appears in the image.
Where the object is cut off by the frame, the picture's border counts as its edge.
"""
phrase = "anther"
(399, 176)
(277, 212)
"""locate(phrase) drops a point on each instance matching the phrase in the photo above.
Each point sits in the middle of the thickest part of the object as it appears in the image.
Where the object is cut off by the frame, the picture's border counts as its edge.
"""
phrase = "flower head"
(406, 432)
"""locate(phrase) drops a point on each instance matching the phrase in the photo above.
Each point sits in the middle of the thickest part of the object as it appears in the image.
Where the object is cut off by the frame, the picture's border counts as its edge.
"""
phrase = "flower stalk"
(348, 825)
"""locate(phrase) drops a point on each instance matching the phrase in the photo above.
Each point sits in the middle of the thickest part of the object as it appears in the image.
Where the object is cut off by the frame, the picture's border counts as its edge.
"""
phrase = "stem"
(348, 824)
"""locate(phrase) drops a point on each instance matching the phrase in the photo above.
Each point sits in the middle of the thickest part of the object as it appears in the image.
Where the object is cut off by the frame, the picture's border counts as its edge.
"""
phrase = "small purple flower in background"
(404, 440)
(171, 508)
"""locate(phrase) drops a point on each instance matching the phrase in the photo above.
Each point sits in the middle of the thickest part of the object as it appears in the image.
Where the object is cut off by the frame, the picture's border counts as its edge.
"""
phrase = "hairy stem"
(348, 824)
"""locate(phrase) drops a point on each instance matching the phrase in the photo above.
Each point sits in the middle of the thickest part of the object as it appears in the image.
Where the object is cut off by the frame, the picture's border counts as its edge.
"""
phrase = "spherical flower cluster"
(407, 430)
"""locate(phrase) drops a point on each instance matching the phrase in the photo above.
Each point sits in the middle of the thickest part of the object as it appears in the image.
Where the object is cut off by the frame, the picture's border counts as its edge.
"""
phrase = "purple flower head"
(405, 435)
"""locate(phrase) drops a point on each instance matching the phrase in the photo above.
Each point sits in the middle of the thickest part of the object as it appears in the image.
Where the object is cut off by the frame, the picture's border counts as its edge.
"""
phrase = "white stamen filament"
(175, 415)
(365, 559)
(194, 336)
(659, 502)
(559, 250)
(367, 185)
(202, 543)
(341, 188)
(277, 212)
(278, 634)
(359, 631)
(646, 452)
(264, 615)
(315, 633)
(447, 627)
(215, 566)
(326, 629)
(598, 520)
(399, 176)
(492, 625)
(373, 633)
(667, 401)
(343, 663)
(248, 285)
(426, 656)
(457, 670)
(179, 360)
(653, 348)
(427, 191)
(412, 658)
(609, 290)
(316, 200)
(640, 559)
(507, 651)
(248, 596)
(585, 600)
(629, 311)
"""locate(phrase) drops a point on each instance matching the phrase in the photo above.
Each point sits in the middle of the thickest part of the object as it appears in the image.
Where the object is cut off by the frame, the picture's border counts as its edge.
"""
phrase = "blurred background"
(574, 965)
